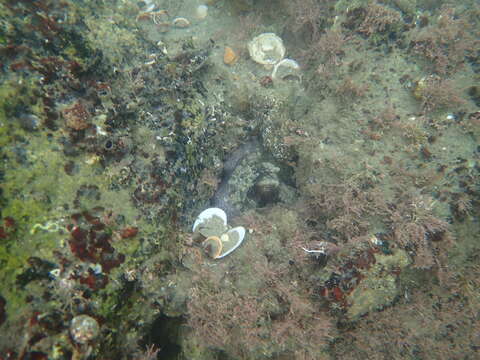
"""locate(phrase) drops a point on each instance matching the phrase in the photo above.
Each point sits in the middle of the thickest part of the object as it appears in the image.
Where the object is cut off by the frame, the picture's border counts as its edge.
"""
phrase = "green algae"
(37, 193)
(26, 207)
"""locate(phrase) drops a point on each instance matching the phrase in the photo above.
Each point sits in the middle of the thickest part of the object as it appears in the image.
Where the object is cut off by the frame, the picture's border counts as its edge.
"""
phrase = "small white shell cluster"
(161, 18)
(219, 240)
(268, 49)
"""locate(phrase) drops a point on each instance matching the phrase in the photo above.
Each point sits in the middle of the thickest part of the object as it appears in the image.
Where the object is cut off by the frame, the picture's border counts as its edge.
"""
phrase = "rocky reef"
(348, 176)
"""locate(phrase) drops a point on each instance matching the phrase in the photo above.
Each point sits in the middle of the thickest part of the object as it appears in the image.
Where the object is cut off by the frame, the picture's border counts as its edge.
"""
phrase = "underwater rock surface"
(249, 181)
(349, 176)
(221, 196)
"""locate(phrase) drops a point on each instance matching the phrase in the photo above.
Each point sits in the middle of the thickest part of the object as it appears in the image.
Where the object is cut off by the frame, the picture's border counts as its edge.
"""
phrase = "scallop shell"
(266, 49)
(181, 22)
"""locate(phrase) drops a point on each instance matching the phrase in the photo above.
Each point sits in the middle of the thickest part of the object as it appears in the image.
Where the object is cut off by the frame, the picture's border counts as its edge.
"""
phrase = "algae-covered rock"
(379, 288)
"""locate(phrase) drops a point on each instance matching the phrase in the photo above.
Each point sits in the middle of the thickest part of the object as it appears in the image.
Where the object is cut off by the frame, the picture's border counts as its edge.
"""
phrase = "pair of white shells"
(219, 241)
(268, 49)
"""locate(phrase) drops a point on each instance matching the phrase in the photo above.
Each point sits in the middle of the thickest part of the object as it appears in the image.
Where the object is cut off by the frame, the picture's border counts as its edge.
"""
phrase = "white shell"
(181, 22)
(266, 49)
(231, 240)
(209, 213)
(150, 8)
(286, 68)
(201, 12)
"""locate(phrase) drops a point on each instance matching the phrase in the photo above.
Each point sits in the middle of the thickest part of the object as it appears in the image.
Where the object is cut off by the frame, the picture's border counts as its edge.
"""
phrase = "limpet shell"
(181, 22)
